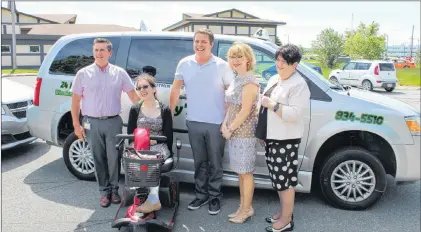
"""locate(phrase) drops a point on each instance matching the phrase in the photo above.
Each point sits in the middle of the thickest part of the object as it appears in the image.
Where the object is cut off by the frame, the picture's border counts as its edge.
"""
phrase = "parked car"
(15, 99)
(352, 138)
(269, 72)
(402, 63)
(368, 74)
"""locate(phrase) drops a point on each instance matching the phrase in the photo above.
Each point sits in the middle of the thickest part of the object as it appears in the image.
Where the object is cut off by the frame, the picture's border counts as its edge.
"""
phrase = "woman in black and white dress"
(280, 127)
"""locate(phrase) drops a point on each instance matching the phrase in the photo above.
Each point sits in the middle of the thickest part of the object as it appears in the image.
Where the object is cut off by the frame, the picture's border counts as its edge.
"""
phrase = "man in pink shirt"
(98, 88)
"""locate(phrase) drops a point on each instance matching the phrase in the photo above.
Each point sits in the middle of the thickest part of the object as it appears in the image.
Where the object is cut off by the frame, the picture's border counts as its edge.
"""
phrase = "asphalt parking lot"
(39, 194)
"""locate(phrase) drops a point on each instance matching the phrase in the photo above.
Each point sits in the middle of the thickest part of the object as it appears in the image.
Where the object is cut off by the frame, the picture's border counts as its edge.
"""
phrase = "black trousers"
(207, 145)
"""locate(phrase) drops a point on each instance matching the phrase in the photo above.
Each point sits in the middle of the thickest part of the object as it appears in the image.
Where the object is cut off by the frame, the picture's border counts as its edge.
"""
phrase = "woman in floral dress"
(240, 123)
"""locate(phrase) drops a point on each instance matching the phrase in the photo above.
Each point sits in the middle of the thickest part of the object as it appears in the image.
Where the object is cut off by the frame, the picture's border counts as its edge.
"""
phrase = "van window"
(163, 55)
(362, 66)
(350, 66)
(265, 64)
(387, 67)
(78, 54)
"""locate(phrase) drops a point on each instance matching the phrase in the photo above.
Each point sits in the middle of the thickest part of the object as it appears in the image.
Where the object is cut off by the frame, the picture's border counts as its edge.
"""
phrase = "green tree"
(302, 50)
(329, 44)
(365, 42)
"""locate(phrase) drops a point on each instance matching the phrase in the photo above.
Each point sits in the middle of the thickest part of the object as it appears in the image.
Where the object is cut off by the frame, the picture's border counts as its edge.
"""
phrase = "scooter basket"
(140, 172)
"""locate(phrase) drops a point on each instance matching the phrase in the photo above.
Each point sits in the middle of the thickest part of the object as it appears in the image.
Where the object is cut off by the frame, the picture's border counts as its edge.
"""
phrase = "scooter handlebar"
(122, 137)
(152, 137)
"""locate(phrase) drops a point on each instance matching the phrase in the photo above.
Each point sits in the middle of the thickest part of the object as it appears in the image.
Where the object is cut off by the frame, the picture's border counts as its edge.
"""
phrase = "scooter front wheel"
(128, 197)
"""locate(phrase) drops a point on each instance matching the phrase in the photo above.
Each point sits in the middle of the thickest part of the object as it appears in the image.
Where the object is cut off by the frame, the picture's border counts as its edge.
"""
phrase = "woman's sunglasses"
(142, 87)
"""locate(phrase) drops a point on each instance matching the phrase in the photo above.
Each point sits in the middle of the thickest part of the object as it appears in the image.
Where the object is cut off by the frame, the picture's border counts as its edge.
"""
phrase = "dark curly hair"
(290, 53)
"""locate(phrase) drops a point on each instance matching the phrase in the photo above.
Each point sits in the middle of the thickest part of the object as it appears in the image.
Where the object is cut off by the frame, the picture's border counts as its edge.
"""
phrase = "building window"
(229, 30)
(215, 29)
(34, 48)
(242, 30)
(5, 49)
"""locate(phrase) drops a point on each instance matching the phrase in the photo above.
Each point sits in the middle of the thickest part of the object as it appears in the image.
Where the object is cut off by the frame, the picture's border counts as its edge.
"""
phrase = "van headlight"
(413, 123)
(3, 112)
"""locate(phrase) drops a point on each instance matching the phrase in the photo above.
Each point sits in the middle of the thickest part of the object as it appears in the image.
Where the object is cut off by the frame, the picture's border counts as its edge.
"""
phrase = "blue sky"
(304, 19)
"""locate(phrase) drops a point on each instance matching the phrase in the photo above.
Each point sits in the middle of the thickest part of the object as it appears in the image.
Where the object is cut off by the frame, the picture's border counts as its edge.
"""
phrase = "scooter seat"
(167, 166)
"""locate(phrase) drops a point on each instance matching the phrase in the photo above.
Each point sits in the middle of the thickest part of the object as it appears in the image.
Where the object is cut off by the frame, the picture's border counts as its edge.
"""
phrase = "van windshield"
(318, 75)
(331, 85)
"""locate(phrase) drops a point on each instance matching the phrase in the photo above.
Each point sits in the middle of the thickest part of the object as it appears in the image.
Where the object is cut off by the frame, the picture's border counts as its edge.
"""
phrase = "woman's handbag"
(262, 121)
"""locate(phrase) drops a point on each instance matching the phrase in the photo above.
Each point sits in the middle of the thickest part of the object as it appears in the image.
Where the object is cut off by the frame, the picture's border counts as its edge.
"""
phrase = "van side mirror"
(347, 87)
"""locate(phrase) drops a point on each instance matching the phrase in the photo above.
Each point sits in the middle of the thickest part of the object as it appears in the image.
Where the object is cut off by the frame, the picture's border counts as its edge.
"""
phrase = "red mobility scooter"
(143, 169)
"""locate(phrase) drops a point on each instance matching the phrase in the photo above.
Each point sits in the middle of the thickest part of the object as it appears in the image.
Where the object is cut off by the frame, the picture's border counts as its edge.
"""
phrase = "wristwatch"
(276, 107)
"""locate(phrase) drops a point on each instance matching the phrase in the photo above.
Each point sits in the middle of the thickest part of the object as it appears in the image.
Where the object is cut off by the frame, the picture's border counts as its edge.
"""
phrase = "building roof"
(59, 18)
(250, 20)
(67, 29)
(52, 18)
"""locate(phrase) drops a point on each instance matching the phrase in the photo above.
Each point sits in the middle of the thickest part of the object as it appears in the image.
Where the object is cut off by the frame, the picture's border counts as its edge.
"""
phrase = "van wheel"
(389, 89)
(352, 178)
(367, 85)
(78, 158)
(334, 80)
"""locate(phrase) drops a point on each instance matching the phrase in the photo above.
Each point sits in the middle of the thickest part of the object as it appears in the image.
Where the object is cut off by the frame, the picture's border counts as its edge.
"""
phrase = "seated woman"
(155, 116)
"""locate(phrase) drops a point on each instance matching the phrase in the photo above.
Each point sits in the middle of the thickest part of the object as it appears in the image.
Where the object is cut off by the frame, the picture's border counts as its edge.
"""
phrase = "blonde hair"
(242, 49)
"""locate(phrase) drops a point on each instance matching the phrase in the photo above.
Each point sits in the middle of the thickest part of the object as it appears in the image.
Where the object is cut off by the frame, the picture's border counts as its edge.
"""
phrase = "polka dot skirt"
(282, 162)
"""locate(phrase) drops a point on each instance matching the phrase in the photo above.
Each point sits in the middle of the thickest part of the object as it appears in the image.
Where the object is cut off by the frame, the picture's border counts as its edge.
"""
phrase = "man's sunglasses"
(142, 87)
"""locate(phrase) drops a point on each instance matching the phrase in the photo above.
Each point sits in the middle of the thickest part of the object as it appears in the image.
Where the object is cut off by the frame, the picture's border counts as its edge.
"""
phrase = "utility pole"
(387, 44)
(412, 40)
(12, 9)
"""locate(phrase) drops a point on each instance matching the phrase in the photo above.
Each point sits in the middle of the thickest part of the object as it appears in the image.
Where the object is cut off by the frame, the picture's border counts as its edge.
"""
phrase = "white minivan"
(352, 139)
(368, 74)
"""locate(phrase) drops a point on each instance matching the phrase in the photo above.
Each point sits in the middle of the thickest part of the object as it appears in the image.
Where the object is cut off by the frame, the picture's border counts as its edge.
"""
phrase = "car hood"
(12, 92)
(391, 103)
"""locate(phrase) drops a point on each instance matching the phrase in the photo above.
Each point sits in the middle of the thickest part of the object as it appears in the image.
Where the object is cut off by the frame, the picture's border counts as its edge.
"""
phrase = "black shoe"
(214, 206)
(287, 227)
(197, 203)
(271, 220)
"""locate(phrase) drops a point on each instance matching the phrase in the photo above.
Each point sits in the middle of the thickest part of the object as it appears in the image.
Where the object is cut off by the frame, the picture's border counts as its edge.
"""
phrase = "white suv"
(367, 74)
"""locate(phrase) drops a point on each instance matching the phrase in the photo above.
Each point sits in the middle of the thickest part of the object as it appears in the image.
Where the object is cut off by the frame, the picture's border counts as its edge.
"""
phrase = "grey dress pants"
(101, 138)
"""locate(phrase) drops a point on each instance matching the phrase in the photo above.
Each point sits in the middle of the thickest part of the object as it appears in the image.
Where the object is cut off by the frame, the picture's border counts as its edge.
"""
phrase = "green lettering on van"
(364, 118)
(63, 93)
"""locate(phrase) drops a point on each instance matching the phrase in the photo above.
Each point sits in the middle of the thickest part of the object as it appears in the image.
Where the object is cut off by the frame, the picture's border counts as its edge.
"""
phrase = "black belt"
(103, 117)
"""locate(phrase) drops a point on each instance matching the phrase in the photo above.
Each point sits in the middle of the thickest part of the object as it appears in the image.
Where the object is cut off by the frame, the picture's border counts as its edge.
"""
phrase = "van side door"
(344, 76)
(163, 54)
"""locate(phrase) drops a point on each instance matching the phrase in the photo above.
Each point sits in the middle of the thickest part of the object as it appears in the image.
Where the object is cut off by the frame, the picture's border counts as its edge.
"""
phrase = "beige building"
(228, 22)
(36, 34)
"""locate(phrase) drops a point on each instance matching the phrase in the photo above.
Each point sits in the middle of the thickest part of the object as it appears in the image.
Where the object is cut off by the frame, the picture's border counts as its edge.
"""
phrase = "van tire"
(360, 155)
(334, 79)
(66, 157)
(368, 84)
